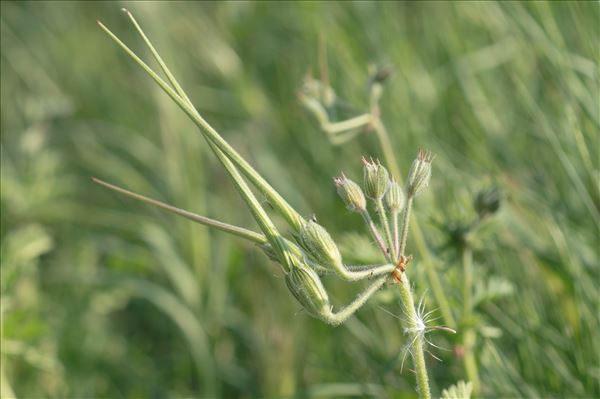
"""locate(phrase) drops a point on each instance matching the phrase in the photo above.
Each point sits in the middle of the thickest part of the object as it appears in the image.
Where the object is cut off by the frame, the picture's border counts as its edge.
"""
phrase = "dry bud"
(376, 179)
(350, 193)
(419, 174)
(394, 198)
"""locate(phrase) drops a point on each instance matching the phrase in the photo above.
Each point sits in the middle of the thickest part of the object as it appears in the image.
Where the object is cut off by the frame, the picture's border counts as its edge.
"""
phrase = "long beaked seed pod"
(419, 174)
(306, 286)
(289, 247)
(351, 194)
(376, 179)
(394, 198)
(319, 245)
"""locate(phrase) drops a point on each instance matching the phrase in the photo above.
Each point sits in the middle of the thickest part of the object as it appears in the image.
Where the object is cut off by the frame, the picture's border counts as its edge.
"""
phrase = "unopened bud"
(350, 193)
(487, 202)
(307, 288)
(419, 174)
(394, 198)
(376, 179)
(319, 245)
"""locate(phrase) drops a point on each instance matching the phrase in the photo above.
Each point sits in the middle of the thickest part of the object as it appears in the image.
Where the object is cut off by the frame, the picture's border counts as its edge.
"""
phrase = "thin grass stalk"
(469, 336)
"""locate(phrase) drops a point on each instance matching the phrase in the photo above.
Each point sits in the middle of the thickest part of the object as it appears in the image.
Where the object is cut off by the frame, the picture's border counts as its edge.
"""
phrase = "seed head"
(319, 245)
(306, 286)
(376, 179)
(419, 174)
(350, 193)
(382, 73)
(394, 198)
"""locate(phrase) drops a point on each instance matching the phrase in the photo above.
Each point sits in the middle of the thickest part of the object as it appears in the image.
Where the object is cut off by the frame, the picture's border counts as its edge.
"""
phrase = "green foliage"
(104, 297)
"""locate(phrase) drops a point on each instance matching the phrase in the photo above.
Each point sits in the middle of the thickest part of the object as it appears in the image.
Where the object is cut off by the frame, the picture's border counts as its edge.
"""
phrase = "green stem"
(395, 232)
(229, 228)
(469, 337)
(386, 147)
(416, 327)
(386, 227)
(405, 220)
(376, 235)
(337, 318)
(415, 331)
(467, 260)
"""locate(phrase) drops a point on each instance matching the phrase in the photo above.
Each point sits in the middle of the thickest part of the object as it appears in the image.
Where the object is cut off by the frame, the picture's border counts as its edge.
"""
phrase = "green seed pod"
(287, 246)
(376, 179)
(351, 194)
(394, 198)
(319, 245)
(487, 202)
(307, 288)
(419, 174)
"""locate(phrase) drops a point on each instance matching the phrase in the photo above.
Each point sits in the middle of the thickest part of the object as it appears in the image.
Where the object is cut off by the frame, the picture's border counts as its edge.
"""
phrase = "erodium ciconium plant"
(309, 251)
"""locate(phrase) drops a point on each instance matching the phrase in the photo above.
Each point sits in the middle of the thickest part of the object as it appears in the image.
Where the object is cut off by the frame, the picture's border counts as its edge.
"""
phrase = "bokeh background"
(105, 297)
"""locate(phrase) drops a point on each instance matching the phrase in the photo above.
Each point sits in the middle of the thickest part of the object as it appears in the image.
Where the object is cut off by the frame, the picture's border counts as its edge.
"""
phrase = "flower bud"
(351, 194)
(307, 288)
(376, 179)
(419, 174)
(319, 245)
(487, 202)
(394, 198)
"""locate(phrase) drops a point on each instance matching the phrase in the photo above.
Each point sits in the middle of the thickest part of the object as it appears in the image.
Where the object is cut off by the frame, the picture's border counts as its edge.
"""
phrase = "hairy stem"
(405, 220)
(386, 227)
(336, 318)
(376, 235)
(416, 327)
(395, 232)
(415, 330)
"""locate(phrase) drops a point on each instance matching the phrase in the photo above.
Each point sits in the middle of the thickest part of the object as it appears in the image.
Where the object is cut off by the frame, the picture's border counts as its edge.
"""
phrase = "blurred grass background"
(105, 297)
